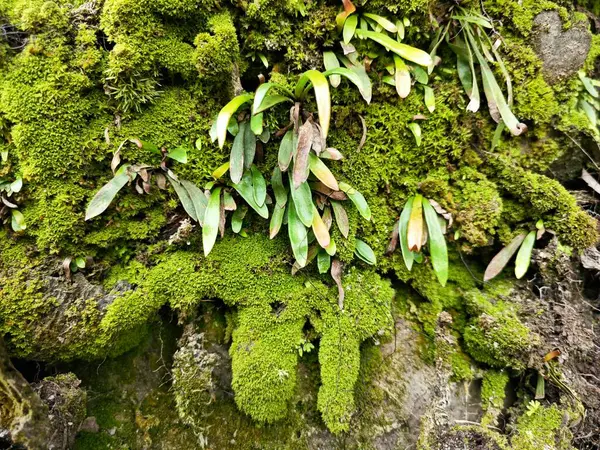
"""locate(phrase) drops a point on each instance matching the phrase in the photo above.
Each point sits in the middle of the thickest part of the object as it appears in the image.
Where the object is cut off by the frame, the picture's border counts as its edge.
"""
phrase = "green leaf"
(323, 261)
(80, 262)
(524, 255)
(499, 262)
(429, 98)
(349, 28)
(401, 77)
(246, 190)
(16, 185)
(147, 146)
(184, 197)
(17, 222)
(474, 19)
(341, 218)
(330, 61)
(276, 220)
(234, 127)
(297, 233)
(303, 203)
(271, 101)
(404, 51)
(213, 130)
(106, 194)
(264, 60)
(321, 87)
(179, 154)
(407, 255)
(437, 243)
(332, 248)
(362, 83)
(416, 131)
(221, 170)
(359, 70)
(236, 157)
(286, 150)
(358, 200)
(211, 221)
(249, 146)
(198, 199)
(237, 218)
(322, 172)
(199, 144)
(260, 94)
(588, 84)
(421, 76)
(225, 114)
(256, 124)
(281, 193)
(385, 23)
(364, 252)
(260, 186)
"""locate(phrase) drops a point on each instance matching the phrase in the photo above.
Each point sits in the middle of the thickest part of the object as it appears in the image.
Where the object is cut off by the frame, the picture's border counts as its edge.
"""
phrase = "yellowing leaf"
(322, 172)
(321, 87)
(407, 254)
(320, 229)
(330, 61)
(502, 258)
(414, 233)
(401, 77)
(211, 221)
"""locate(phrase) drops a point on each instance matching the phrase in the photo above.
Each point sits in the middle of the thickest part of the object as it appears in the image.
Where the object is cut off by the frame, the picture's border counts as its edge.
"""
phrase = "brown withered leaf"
(552, 355)
(305, 140)
(336, 274)
(138, 186)
(590, 180)
(501, 259)
(363, 139)
(394, 236)
(146, 186)
(327, 217)
(161, 181)
(66, 265)
(144, 174)
(106, 136)
(328, 192)
(222, 219)
(442, 212)
(318, 143)
(7, 203)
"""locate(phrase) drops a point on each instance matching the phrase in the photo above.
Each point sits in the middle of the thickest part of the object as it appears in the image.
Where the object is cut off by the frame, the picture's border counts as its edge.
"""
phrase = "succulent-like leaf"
(499, 262)
(331, 153)
(236, 157)
(221, 170)
(366, 88)
(249, 146)
(321, 87)
(179, 154)
(226, 113)
(330, 61)
(260, 186)
(286, 150)
(429, 98)
(260, 95)
(198, 199)
(211, 221)
(349, 28)
(17, 221)
(415, 128)
(414, 230)
(305, 140)
(228, 202)
(323, 261)
(364, 252)
(107, 193)
(303, 203)
(331, 248)
(237, 219)
(404, 51)
(256, 123)
(246, 190)
(588, 84)
(524, 255)
(341, 218)
(297, 233)
(407, 254)
(276, 220)
(184, 198)
(437, 243)
(270, 101)
(358, 200)
(473, 19)
(362, 83)
(385, 23)
(320, 229)
(401, 77)
(281, 193)
(322, 172)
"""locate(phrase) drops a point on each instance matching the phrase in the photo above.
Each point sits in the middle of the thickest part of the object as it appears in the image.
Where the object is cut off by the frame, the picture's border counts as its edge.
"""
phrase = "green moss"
(493, 389)
(216, 53)
(542, 427)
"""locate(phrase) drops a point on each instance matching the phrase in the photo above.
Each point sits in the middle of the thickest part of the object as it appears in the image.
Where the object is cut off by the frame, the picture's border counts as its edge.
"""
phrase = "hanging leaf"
(286, 150)
(349, 28)
(276, 220)
(246, 189)
(524, 255)
(279, 189)
(184, 197)
(403, 225)
(237, 219)
(358, 200)
(197, 198)
(107, 193)
(383, 22)
(17, 222)
(260, 186)
(364, 252)
(414, 231)
(429, 98)
(474, 19)
(303, 203)
(499, 262)
(331, 248)
(437, 243)
(341, 218)
(178, 154)
(336, 274)
(256, 124)
(301, 168)
(362, 83)
(331, 153)
(236, 157)
(321, 88)
(401, 77)
(323, 261)
(225, 115)
(322, 172)
(394, 236)
(330, 61)
(404, 51)
(420, 74)
(416, 131)
(249, 146)
(228, 202)
(211, 221)
(270, 101)
(298, 236)
(320, 229)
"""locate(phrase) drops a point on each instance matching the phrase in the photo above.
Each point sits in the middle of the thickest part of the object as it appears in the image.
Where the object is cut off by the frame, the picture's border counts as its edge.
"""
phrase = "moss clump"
(542, 427)
(216, 53)
(493, 389)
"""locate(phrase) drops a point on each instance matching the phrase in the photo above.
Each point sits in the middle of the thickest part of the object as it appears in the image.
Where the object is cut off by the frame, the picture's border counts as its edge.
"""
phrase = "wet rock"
(552, 43)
